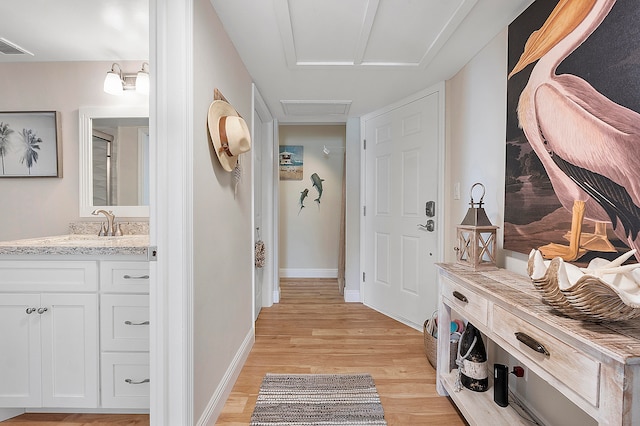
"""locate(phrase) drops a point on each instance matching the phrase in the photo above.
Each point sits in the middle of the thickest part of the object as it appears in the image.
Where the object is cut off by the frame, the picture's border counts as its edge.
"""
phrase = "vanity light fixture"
(116, 82)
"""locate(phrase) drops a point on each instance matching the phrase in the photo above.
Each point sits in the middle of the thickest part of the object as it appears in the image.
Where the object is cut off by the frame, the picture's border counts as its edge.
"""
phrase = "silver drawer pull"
(136, 323)
(29, 311)
(141, 277)
(461, 297)
(132, 382)
(532, 343)
(42, 310)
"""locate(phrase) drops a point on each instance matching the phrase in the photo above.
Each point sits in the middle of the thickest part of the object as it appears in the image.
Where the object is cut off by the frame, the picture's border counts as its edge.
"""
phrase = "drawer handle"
(29, 311)
(132, 382)
(532, 343)
(141, 277)
(136, 323)
(42, 310)
(461, 297)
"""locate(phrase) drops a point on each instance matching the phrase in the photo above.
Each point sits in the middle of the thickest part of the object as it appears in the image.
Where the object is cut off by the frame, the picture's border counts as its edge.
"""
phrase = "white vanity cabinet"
(124, 334)
(49, 334)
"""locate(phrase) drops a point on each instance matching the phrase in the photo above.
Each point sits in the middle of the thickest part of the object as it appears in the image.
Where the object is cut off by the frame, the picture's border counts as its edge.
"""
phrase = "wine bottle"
(472, 360)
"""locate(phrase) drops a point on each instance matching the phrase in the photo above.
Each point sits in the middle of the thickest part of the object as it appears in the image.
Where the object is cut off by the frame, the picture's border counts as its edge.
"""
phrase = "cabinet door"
(20, 350)
(69, 350)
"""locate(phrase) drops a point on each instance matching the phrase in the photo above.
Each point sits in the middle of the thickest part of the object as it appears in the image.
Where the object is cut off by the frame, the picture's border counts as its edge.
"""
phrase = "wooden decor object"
(594, 365)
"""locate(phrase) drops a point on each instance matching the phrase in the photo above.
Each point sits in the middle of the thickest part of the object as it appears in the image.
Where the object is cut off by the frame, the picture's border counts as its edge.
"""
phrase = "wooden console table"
(597, 366)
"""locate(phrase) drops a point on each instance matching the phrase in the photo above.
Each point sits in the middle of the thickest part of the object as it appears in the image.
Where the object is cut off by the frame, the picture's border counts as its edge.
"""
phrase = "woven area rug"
(318, 399)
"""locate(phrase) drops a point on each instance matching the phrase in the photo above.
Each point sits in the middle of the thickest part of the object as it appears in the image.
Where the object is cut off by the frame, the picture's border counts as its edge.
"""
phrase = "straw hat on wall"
(229, 133)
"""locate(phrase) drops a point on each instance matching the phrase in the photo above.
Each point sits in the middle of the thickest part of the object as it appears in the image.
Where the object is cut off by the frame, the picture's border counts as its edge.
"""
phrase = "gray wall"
(222, 249)
(309, 238)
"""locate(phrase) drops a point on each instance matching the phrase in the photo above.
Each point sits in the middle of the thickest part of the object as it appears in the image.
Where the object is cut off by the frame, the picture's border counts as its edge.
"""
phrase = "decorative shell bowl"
(604, 291)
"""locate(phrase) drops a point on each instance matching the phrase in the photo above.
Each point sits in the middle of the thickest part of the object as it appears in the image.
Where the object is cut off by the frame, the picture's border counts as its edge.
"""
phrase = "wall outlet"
(456, 191)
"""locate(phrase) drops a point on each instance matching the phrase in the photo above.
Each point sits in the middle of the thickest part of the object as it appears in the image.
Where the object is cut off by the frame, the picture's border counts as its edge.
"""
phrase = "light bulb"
(113, 83)
(142, 82)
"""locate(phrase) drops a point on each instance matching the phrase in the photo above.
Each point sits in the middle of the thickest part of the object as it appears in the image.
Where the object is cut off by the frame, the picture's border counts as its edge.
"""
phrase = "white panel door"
(401, 176)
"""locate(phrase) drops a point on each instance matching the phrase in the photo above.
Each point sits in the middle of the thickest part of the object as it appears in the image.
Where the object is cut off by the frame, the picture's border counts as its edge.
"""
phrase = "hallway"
(312, 330)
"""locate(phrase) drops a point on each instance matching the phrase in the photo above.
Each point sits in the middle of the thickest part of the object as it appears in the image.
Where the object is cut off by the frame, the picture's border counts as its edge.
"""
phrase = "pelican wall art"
(573, 130)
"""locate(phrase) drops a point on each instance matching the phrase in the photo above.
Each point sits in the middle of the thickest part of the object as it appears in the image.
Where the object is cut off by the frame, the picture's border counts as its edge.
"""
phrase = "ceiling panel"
(326, 31)
(404, 30)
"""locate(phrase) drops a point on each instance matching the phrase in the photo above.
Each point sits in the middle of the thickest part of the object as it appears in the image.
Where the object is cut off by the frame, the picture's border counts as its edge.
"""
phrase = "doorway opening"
(312, 193)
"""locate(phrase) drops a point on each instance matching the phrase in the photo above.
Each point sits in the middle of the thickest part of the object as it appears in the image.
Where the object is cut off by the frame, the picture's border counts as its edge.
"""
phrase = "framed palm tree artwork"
(30, 144)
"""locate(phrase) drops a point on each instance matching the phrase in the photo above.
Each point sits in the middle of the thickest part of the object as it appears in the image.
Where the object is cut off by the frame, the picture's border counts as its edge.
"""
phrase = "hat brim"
(219, 109)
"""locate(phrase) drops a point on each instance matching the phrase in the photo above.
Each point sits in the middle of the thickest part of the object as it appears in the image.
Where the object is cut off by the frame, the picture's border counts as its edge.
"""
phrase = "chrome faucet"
(110, 231)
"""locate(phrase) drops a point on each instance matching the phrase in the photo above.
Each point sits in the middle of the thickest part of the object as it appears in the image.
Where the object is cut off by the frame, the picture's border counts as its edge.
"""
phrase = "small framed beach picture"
(291, 162)
(30, 144)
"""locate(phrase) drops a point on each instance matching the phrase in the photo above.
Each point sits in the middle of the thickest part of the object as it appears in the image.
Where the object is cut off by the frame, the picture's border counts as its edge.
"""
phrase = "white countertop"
(77, 244)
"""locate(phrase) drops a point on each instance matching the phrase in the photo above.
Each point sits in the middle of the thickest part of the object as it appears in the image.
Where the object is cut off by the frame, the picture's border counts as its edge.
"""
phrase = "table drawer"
(124, 277)
(125, 380)
(465, 301)
(575, 369)
(124, 322)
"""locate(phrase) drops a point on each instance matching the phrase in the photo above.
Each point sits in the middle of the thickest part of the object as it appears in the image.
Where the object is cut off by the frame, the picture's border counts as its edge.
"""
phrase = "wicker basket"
(431, 349)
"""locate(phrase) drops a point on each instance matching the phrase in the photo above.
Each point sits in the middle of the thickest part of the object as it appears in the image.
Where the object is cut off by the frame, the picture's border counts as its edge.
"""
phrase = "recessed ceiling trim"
(324, 64)
(310, 108)
(286, 30)
(365, 33)
(285, 26)
(447, 30)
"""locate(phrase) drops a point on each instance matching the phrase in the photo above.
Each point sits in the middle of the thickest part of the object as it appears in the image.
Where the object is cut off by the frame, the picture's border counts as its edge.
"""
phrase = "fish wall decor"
(317, 183)
(303, 195)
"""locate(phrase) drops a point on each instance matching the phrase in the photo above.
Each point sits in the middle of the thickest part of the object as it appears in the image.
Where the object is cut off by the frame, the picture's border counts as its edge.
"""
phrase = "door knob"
(430, 225)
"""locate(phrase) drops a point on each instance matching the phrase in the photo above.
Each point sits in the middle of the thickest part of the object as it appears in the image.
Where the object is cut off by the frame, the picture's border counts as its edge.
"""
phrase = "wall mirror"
(114, 160)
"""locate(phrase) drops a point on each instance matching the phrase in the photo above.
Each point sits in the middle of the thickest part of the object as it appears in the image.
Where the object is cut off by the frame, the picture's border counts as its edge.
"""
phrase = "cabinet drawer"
(44, 275)
(465, 301)
(125, 380)
(567, 364)
(124, 277)
(124, 322)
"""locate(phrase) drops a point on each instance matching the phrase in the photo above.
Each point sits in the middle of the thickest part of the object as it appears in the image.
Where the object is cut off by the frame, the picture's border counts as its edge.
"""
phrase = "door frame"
(438, 89)
(264, 124)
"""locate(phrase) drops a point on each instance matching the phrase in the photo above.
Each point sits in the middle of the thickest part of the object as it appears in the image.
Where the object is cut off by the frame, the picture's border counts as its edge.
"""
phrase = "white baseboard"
(352, 296)
(7, 413)
(308, 273)
(222, 392)
(276, 296)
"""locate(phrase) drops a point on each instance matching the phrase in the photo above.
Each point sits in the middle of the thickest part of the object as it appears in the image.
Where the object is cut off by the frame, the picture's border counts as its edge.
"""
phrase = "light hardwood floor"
(312, 330)
(38, 419)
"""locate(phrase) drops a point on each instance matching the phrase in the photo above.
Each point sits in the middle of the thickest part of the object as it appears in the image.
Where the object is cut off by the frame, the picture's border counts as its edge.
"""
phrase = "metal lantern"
(476, 237)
